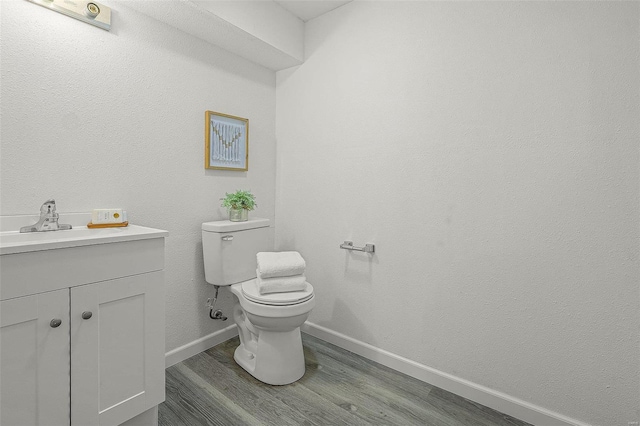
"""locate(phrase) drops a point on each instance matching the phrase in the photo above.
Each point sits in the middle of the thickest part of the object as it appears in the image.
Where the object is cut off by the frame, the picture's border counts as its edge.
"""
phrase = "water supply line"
(217, 314)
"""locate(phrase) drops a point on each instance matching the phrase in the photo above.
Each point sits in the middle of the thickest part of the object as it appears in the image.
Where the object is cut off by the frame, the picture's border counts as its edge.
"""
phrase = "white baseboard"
(190, 349)
(491, 398)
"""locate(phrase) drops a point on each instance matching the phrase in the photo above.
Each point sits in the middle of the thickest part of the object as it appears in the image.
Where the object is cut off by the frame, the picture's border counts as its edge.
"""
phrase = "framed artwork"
(226, 142)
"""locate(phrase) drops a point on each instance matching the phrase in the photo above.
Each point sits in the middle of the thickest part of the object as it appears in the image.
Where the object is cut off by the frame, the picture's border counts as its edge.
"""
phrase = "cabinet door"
(34, 360)
(117, 354)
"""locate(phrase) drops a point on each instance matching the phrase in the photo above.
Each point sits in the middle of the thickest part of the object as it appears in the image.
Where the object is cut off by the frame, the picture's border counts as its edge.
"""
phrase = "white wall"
(116, 119)
(265, 20)
(490, 151)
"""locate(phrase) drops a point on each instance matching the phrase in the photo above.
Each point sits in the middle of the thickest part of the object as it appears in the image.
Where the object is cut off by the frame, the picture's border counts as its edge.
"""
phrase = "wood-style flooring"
(338, 388)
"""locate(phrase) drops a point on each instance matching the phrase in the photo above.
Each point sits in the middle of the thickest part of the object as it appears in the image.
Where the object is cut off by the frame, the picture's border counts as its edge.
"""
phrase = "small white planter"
(239, 215)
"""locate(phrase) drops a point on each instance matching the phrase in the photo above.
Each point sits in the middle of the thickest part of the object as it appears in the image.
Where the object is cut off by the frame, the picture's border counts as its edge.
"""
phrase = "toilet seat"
(250, 292)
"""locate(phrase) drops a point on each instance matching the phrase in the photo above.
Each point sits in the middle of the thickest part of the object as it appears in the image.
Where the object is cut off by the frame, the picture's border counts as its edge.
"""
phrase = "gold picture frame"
(223, 139)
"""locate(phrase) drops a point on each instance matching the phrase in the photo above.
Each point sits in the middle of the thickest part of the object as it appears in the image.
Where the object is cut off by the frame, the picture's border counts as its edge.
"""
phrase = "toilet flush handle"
(227, 238)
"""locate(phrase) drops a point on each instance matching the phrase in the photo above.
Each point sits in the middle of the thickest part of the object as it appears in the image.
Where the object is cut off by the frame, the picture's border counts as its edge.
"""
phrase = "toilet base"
(279, 357)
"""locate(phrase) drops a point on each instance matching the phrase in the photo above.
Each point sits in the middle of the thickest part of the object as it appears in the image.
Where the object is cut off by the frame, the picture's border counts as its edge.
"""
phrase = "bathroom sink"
(12, 242)
(21, 238)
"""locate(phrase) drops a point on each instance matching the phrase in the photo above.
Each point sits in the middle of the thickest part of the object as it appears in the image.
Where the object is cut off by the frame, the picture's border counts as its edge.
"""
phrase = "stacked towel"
(280, 272)
(281, 284)
(280, 264)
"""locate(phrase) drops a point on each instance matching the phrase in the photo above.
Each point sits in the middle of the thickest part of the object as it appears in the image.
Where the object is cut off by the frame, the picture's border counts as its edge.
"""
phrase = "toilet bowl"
(268, 324)
(269, 330)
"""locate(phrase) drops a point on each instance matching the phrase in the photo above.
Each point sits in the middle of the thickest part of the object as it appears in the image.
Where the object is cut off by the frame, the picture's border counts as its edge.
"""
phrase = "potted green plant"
(239, 203)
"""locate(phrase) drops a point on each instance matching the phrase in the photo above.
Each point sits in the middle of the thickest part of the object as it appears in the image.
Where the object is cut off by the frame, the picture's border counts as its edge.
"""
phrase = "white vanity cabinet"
(82, 333)
(34, 360)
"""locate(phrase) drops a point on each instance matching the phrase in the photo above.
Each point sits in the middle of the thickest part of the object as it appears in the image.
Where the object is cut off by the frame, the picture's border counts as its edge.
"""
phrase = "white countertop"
(12, 241)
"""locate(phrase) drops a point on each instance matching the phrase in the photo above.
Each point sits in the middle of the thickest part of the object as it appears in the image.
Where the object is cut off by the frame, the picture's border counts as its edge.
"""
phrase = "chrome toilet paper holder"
(368, 248)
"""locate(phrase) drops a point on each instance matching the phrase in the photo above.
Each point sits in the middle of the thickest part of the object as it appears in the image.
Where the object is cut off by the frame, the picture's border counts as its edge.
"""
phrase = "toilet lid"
(251, 292)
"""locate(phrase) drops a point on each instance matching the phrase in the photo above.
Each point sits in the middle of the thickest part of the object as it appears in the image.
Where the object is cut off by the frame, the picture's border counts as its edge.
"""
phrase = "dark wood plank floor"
(338, 388)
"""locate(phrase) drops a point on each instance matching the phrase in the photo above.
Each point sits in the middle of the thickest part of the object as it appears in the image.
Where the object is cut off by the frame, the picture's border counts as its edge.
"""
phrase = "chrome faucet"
(48, 219)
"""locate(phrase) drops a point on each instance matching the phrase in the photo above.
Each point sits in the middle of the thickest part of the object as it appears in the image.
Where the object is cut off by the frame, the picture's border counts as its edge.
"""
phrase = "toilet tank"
(229, 249)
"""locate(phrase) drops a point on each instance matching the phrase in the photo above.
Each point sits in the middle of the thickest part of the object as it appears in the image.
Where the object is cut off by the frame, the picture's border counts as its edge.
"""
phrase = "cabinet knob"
(86, 315)
(55, 323)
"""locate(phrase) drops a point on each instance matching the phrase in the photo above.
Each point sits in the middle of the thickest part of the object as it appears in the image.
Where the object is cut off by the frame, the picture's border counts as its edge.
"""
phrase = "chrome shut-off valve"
(211, 303)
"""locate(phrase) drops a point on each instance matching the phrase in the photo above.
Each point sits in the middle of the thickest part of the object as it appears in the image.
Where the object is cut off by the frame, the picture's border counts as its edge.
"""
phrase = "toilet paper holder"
(368, 248)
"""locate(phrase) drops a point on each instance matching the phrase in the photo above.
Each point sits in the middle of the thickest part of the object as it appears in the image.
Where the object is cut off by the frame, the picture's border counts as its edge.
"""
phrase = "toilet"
(268, 325)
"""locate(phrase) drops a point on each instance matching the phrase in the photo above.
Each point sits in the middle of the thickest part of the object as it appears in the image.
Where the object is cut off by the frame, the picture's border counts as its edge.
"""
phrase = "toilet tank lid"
(223, 226)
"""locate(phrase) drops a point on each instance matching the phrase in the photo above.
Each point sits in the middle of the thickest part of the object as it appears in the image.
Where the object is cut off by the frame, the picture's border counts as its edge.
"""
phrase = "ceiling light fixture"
(90, 12)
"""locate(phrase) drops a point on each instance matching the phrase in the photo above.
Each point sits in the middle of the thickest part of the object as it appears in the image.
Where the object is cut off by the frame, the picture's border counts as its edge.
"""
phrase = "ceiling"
(309, 9)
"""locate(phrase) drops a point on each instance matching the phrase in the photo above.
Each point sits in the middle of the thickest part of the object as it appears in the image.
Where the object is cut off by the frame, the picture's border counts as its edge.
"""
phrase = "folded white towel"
(280, 264)
(281, 284)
